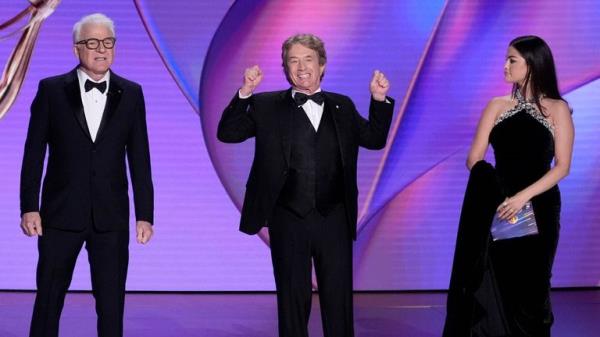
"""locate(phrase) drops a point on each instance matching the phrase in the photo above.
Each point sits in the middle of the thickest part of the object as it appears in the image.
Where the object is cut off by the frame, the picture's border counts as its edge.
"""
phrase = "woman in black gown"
(528, 130)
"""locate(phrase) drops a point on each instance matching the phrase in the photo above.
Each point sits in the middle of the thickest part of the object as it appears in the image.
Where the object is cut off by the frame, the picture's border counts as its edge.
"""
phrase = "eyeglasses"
(108, 43)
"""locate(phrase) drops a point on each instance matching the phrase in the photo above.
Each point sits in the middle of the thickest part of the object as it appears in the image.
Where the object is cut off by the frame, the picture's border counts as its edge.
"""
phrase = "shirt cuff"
(242, 96)
(387, 100)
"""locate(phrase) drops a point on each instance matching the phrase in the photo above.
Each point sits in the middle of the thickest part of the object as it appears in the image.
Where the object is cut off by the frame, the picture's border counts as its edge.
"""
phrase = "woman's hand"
(511, 206)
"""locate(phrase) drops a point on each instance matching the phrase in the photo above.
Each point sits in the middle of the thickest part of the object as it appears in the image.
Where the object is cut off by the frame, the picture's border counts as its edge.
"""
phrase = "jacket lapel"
(333, 107)
(74, 97)
(285, 108)
(113, 97)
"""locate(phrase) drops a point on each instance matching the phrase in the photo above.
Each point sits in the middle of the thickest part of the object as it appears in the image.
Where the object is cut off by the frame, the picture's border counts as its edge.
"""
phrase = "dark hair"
(307, 40)
(541, 72)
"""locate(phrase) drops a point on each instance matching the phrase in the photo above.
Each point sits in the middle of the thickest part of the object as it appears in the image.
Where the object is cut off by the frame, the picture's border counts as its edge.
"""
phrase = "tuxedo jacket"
(268, 118)
(86, 181)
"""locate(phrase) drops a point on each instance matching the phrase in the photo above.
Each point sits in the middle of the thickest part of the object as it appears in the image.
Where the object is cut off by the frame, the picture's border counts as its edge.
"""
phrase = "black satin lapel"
(285, 109)
(113, 97)
(334, 109)
(74, 97)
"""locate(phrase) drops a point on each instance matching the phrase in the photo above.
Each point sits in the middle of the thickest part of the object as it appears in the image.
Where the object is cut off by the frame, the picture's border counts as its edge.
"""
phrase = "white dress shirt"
(313, 111)
(93, 101)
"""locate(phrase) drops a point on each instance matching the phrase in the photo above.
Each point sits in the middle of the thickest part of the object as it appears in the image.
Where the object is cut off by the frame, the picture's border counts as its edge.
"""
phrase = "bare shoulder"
(502, 100)
(498, 105)
(556, 108)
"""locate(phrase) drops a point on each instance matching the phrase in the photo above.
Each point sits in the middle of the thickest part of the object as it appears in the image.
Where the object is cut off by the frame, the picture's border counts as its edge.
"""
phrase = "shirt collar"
(83, 77)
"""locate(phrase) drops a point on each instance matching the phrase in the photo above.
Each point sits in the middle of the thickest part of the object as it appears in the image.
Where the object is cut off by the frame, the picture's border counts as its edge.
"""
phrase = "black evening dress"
(523, 143)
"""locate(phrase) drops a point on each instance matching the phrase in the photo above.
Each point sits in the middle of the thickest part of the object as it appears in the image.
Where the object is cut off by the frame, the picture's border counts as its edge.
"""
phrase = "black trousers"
(108, 254)
(295, 243)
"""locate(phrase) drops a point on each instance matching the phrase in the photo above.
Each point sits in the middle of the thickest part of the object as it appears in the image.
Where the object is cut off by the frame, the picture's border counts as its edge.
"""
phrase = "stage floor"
(254, 315)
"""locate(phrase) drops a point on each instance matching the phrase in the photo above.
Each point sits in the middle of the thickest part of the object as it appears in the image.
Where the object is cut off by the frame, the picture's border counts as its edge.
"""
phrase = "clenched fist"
(379, 86)
(252, 77)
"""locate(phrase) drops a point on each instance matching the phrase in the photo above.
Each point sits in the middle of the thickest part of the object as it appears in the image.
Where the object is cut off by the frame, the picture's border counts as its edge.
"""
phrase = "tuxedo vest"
(315, 177)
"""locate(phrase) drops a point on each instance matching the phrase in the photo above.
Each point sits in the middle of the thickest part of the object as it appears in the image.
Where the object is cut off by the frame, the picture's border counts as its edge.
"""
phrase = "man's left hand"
(379, 86)
(144, 231)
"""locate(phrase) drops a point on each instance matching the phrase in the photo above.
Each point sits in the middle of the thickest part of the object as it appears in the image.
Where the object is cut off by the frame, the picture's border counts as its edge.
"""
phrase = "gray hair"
(96, 18)
(307, 40)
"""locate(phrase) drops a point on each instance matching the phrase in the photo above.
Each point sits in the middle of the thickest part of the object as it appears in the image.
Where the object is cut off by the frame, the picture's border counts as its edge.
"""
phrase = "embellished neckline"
(530, 108)
(520, 98)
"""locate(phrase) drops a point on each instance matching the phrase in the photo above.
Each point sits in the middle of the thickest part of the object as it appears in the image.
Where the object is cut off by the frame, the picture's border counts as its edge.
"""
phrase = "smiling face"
(304, 70)
(515, 67)
(94, 62)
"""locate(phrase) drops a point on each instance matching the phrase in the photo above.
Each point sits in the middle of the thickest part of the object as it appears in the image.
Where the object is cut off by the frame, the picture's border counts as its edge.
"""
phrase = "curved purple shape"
(442, 74)
(422, 180)
(182, 36)
(356, 41)
(427, 235)
(463, 71)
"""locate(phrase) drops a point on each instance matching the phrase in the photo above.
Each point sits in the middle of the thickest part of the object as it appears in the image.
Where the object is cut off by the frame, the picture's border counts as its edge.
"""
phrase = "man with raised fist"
(302, 184)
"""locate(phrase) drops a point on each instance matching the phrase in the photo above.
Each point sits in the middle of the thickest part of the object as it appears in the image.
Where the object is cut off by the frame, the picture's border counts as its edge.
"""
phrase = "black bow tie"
(89, 85)
(301, 98)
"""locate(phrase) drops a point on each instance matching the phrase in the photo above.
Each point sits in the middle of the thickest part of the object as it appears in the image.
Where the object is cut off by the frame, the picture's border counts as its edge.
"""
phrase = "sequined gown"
(523, 143)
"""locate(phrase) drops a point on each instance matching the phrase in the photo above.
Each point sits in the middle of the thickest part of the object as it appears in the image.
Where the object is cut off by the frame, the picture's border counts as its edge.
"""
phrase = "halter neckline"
(530, 108)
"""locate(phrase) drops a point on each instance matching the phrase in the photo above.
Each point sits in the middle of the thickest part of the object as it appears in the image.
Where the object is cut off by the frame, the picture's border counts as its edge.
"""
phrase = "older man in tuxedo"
(302, 183)
(90, 120)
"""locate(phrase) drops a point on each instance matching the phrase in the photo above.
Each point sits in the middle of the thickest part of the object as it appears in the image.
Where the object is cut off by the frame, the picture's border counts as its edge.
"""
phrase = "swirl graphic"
(16, 66)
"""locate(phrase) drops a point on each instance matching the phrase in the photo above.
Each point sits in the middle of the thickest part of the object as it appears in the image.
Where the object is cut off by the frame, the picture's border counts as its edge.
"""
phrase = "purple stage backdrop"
(444, 59)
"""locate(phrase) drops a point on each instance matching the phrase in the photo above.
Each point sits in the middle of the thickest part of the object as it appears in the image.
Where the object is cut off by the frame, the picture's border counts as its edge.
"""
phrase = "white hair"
(96, 18)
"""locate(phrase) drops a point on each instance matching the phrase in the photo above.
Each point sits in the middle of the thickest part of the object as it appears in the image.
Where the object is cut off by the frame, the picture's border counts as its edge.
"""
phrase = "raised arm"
(236, 124)
(373, 132)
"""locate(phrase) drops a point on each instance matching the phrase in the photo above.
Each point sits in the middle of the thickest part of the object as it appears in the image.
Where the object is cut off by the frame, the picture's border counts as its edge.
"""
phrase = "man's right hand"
(252, 77)
(31, 224)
